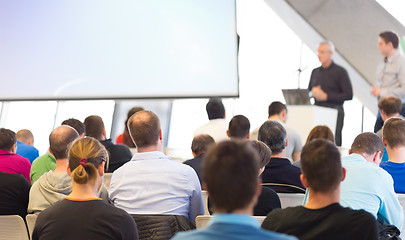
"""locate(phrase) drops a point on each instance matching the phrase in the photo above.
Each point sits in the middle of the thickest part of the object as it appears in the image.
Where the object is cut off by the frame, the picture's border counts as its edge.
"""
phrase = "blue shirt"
(369, 187)
(397, 171)
(151, 183)
(231, 226)
(27, 151)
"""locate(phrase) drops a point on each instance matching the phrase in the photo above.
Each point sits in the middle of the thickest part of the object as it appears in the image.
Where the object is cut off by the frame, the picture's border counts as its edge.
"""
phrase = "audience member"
(42, 165)
(367, 186)
(394, 140)
(233, 198)
(279, 169)
(124, 138)
(151, 183)
(76, 124)
(217, 125)
(25, 145)
(9, 161)
(389, 107)
(322, 217)
(278, 112)
(82, 215)
(199, 147)
(119, 154)
(239, 127)
(14, 191)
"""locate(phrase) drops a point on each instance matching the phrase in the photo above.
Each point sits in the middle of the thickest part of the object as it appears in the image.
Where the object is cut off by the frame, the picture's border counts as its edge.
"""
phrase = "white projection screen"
(117, 49)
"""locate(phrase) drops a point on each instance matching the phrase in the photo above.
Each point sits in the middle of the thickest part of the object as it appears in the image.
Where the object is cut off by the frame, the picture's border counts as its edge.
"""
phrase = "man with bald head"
(152, 183)
(54, 185)
(25, 145)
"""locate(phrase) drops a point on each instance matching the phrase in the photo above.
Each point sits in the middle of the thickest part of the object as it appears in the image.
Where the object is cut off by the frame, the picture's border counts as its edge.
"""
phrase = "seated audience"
(233, 198)
(119, 154)
(25, 145)
(367, 186)
(394, 140)
(278, 112)
(322, 217)
(389, 107)
(217, 125)
(199, 147)
(14, 191)
(152, 183)
(239, 127)
(279, 169)
(124, 138)
(82, 215)
(9, 161)
(76, 124)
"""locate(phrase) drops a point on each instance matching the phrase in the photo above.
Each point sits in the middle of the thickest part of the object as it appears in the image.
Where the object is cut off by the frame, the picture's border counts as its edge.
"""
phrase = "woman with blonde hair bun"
(81, 215)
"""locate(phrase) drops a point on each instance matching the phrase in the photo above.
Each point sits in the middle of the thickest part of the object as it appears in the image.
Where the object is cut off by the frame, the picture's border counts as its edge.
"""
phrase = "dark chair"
(284, 188)
(160, 227)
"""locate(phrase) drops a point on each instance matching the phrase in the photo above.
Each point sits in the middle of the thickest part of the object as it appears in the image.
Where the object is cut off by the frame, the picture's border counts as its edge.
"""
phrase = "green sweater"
(41, 165)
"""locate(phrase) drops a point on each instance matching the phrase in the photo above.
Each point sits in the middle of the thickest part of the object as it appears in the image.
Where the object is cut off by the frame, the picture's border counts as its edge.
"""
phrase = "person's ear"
(101, 169)
(259, 187)
(377, 157)
(304, 180)
(68, 171)
(14, 148)
(104, 133)
(160, 135)
(227, 133)
(286, 142)
(248, 135)
(343, 174)
(384, 141)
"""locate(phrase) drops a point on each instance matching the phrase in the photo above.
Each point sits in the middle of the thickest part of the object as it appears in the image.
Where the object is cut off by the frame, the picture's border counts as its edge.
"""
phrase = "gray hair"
(330, 44)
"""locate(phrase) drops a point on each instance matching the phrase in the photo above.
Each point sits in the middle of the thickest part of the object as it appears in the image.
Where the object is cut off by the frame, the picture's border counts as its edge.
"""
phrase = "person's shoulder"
(13, 178)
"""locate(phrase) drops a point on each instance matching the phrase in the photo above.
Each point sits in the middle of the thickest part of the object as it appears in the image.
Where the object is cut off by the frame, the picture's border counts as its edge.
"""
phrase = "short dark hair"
(94, 126)
(264, 152)
(60, 139)
(274, 135)
(215, 108)
(239, 126)
(144, 128)
(230, 171)
(321, 132)
(390, 105)
(394, 132)
(76, 124)
(276, 108)
(321, 165)
(201, 143)
(367, 142)
(390, 37)
(7, 139)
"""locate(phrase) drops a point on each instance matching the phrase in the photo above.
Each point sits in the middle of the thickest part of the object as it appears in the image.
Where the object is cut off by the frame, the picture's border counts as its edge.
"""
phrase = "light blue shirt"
(151, 183)
(369, 187)
(231, 226)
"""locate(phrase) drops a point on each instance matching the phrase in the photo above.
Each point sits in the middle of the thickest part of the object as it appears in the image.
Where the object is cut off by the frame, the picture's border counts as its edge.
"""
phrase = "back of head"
(276, 108)
(132, 111)
(76, 124)
(144, 129)
(367, 142)
(390, 37)
(85, 156)
(274, 135)
(230, 171)
(215, 108)
(25, 136)
(321, 165)
(94, 126)
(394, 132)
(239, 127)
(7, 139)
(264, 152)
(60, 139)
(321, 132)
(201, 143)
(126, 138)
(390, 105)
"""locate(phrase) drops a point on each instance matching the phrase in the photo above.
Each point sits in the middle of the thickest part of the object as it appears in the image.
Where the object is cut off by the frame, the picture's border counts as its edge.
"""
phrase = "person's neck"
(391, 53)
(393, 116)
(396, 155)
(83, 191)
(154, 148)
(61, 165)
(282, 154)
(317, 200)
(326, 64)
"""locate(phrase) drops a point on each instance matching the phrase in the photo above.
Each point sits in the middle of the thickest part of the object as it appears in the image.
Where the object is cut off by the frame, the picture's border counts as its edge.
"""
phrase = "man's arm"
(196, 201)
(346, 90)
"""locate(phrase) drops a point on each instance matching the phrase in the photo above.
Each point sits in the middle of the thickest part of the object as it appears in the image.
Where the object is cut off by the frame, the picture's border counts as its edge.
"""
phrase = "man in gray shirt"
(390, 72)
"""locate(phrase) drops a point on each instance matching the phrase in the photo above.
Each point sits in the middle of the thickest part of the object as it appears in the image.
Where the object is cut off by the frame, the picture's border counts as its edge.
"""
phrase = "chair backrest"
(284, 188)
(107, 179)
(205, 201)
(12, 227)
(31, 219)
(154, 227)
(201, 221)
(291, 199)
(401, 198)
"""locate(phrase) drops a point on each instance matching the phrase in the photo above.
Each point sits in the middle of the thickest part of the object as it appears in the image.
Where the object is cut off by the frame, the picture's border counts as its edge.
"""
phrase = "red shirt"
(13, 163)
